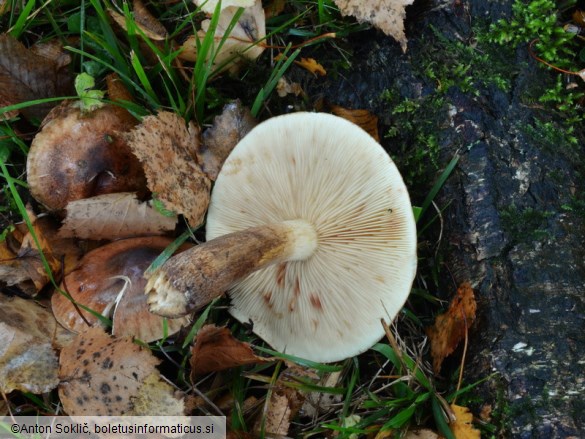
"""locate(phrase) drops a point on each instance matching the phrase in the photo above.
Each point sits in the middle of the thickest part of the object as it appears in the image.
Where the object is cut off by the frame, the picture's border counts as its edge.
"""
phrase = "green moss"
(414, 129)
(526, 225)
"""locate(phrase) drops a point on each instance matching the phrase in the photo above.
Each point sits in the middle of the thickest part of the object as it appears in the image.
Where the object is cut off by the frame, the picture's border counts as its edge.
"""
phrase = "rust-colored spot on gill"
(280, 274)
(297, 288)
(267, 296)
(316, 302)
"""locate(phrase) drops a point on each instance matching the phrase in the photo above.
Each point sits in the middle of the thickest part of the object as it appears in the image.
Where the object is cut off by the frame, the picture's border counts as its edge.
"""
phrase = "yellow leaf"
(312, 66)
(462, 427)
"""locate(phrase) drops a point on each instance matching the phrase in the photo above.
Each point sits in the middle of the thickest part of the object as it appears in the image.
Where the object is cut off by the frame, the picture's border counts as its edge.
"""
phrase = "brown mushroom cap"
(110, 280)
(78, 155)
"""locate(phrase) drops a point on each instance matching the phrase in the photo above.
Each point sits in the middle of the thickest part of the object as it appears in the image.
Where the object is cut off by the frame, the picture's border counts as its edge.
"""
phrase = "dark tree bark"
(514, 222)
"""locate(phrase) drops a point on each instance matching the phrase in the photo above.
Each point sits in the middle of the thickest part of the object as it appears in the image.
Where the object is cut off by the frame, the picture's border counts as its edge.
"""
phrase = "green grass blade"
(438, 185)
(24, 15)
(301, 361)
(281, 67)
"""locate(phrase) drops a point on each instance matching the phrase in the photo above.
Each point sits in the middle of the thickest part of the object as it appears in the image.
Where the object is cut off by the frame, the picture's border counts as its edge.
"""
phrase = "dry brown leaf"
(101, 376)
(53, 51)
(317, 403)
(156, 396)
(285, 87)
(167, 149)
(312, 66)
(114, 216)
(24, 266)
(421, 434)
(462, 427)
(28, 332)
(362, 118)
(26, 76)
(274, 8)
(208, 6)
(285, 400)
(215, 349)
(450, 328)
(386, 15)
(5, 6)
(110, 281)
(239, 45)
(144, 20)
(227, 130)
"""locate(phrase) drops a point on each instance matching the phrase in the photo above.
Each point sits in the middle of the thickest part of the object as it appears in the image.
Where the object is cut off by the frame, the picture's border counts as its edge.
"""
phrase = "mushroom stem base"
(190, 280)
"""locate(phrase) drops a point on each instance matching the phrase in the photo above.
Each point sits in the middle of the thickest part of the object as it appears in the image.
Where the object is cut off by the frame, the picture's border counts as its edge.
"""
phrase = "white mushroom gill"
(324, 171)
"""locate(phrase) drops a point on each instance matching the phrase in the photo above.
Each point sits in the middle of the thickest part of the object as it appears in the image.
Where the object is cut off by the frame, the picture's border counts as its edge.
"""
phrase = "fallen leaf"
(312, 66)
(317, 403)
(362, 118)
(52, 51)
(450, 328)
(208, 6)
(274, 8)
(286, 400)
(143, 19)
(26, 76)
(421, 434)
(114, 216)
(243, 43)
(227, 130)
(103, 376)
(109, 280)
(167, 149)
(285, 87)
(216, 349)
(156, 396)
(28, 335)
(386, 15)
(462, 427)
(24, 267)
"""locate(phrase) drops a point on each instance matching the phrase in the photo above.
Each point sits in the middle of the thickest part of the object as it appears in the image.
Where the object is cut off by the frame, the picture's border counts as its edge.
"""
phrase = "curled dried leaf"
(312, 66)
(450, 328)
(167, 149)
(462, 427)
(216, 349)
(227, 130)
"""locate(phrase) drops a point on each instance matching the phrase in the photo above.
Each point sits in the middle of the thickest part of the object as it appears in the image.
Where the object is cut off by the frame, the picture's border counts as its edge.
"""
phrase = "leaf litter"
(102, 375)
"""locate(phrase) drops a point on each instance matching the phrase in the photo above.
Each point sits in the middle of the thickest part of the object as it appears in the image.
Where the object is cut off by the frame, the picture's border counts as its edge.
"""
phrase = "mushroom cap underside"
(329, 172)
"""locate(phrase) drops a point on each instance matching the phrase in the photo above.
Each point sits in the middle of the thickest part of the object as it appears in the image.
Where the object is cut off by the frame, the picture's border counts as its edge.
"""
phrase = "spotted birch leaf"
(103, 376)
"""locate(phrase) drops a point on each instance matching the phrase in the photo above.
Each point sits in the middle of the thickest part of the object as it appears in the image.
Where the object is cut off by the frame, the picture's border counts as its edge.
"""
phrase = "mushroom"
(109, 280)
(79, 155)
(311, 229)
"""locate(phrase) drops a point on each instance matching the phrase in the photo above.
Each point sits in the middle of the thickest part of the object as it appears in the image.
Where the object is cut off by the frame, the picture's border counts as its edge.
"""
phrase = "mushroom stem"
(192, 279)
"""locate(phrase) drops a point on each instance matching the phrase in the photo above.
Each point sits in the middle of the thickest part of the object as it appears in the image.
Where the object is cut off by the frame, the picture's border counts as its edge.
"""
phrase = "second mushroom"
(311, 230)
